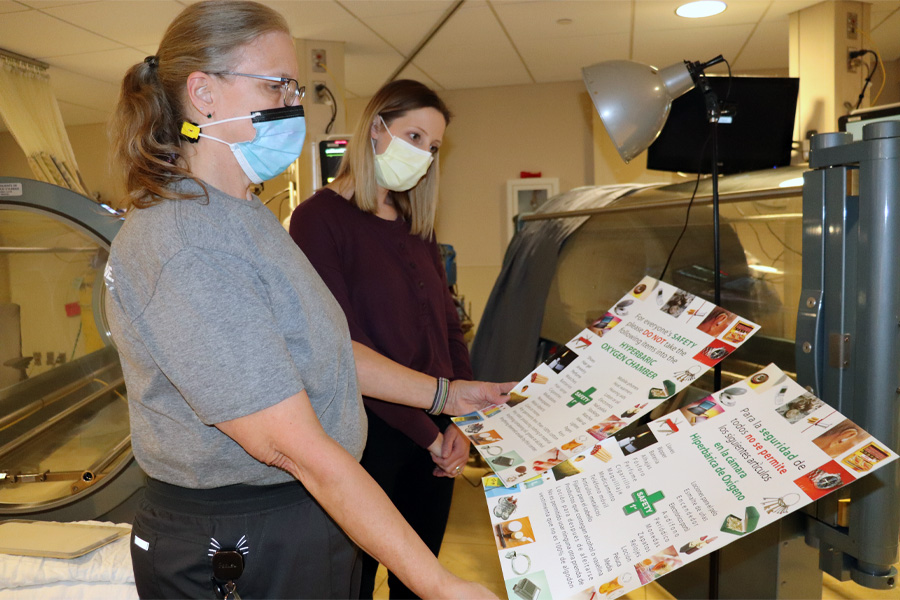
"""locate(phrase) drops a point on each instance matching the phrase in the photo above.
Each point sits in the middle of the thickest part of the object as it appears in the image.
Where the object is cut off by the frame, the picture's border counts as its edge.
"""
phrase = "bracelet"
(440, 396)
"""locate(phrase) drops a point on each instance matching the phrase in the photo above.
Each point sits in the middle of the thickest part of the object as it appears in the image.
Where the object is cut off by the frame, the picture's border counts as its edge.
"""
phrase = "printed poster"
(653, 343)
(627, 511)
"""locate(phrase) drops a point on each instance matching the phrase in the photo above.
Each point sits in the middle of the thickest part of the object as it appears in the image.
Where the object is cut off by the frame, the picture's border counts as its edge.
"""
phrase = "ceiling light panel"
(701, 9)
(659, 15)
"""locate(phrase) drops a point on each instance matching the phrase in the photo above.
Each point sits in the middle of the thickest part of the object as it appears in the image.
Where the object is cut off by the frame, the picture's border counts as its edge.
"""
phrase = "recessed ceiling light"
(698, 10)
(564, 21)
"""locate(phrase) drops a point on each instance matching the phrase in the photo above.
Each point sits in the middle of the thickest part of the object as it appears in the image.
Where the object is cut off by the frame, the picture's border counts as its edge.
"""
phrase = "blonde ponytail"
(144, 130)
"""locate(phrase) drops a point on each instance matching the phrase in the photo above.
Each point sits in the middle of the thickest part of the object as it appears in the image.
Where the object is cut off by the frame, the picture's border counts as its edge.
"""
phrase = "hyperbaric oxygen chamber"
(65, 446)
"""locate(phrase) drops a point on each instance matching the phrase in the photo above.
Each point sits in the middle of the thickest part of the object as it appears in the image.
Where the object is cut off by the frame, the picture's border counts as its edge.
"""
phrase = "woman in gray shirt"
(242, 378)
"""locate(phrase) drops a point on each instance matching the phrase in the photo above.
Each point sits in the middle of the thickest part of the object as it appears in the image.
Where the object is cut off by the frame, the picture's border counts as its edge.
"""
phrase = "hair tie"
(153, 61)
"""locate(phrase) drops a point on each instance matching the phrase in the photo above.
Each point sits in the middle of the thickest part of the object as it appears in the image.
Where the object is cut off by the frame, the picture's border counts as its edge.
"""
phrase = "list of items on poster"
(652, 343)
(628, 511)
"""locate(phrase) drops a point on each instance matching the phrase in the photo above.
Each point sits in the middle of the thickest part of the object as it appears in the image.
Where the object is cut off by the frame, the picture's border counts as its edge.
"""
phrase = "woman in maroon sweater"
(370, 235)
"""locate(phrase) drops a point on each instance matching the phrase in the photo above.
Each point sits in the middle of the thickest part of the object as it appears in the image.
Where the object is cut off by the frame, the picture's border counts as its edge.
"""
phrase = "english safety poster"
(654, 342)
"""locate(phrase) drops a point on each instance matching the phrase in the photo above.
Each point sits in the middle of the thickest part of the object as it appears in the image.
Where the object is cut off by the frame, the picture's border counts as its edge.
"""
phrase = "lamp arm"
(696, 69)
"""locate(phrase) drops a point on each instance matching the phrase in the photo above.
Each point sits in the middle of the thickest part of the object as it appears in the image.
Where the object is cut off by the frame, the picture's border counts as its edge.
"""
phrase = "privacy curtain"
(29, 109)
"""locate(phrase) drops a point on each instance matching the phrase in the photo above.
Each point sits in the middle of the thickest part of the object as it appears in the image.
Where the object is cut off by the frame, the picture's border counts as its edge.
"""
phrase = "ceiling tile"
(564, 58)
(109, 65)
(6, 6)
(316, 19)
(886, 36)
(129, 23)
(766, 49)
(37, 35)
(663, 48)
(78, 115)
(100, 39)
(538, 20)
(405, 32)
(42, 4)
(413, 72)
(367, 9)
(365, 72)
(781, 9)
(83, 91)
(471, 50)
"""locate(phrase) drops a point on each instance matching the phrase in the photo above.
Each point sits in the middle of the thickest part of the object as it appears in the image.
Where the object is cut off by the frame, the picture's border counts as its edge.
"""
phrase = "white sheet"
(103, 573)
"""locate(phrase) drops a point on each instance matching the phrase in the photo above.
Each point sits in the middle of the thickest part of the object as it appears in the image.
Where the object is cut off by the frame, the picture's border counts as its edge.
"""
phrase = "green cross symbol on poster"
(643, 503)
(581, 397)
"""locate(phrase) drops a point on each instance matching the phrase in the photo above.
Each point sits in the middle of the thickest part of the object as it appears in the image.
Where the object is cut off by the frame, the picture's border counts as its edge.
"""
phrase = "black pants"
(291, 547)
(403, 470)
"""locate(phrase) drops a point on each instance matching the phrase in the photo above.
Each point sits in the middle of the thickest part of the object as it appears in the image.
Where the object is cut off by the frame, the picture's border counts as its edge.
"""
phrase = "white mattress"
(101, 574)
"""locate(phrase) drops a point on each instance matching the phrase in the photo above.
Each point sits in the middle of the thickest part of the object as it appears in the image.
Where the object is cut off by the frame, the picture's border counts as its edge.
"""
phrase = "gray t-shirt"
(217, 314)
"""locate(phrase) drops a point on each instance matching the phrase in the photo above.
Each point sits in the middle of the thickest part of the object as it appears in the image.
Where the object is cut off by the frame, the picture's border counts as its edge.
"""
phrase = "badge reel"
(227, 565)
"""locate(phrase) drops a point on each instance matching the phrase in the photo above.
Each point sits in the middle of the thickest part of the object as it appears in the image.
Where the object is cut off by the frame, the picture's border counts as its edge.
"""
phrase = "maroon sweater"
(393, 290)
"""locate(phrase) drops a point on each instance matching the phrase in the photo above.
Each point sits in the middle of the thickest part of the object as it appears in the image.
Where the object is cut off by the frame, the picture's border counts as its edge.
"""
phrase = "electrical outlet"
(36, 359)
(852, 25)
(51, 357)
(852, 63)
(318, 61)
(318, 97)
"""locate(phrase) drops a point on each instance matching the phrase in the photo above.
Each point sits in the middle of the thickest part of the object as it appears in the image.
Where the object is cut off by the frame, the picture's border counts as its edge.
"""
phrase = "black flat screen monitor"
(759, 136)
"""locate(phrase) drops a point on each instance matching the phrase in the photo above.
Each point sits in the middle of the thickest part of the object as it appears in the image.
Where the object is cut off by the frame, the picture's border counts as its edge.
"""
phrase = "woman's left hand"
(454, 453)
(468, 396)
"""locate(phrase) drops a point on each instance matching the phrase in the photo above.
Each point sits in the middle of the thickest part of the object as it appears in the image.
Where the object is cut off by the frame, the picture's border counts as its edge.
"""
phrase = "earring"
(209, 115)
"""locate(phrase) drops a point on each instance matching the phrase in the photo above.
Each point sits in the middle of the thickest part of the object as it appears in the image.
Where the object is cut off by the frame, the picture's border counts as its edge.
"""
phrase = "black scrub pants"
(404, 471)
(291, 547)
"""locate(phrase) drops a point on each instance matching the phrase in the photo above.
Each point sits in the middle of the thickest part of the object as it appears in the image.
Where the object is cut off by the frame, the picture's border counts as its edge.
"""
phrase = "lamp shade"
(633, 100)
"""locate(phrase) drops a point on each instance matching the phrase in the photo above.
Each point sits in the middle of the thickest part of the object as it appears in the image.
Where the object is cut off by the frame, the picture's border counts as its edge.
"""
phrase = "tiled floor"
(469, 551)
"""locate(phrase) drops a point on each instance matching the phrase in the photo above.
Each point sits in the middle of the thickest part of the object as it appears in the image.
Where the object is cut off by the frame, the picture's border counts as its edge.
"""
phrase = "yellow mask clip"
(190, 131)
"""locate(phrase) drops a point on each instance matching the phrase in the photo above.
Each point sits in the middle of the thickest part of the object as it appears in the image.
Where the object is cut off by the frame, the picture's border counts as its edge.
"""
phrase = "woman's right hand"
(452, 457)
(468, 396)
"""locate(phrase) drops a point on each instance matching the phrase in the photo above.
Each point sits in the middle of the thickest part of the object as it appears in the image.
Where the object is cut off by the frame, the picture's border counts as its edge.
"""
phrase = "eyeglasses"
(293, 91)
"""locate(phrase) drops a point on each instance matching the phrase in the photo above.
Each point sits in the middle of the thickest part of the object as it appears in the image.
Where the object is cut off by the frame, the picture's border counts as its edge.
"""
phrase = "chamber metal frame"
(848, 334)
(94, 493)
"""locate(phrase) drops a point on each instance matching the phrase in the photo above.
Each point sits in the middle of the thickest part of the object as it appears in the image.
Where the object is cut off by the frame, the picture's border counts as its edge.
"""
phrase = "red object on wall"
(73, 309)
(528, 174)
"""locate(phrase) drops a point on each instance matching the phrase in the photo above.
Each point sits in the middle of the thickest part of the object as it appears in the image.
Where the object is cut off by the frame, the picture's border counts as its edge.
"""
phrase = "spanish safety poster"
(632, 508)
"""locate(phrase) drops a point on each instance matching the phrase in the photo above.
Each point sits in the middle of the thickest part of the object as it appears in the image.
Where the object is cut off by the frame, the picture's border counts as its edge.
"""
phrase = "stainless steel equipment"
(65, 448)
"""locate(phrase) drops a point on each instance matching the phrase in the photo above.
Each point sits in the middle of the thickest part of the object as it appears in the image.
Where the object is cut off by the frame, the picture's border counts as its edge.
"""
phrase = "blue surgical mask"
(278, 141)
